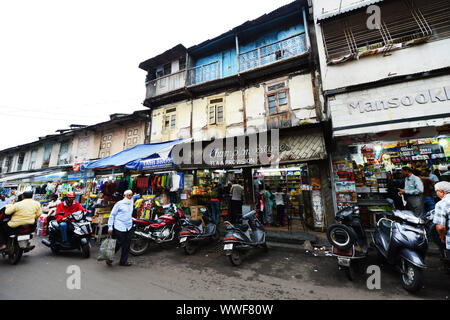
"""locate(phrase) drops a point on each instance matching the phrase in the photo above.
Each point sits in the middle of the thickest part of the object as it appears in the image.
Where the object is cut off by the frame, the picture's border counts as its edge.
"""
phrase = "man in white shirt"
(237, 195)
(4, 201)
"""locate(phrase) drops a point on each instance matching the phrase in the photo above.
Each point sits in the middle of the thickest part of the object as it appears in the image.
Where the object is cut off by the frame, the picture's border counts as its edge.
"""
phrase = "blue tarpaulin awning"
(131, 157)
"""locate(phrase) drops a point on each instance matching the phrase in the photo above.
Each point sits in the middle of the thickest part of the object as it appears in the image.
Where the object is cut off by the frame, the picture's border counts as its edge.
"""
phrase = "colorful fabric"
(107, 249)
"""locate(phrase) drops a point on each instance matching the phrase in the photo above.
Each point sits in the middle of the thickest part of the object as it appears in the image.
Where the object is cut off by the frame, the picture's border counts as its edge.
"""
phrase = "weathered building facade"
(385, 74)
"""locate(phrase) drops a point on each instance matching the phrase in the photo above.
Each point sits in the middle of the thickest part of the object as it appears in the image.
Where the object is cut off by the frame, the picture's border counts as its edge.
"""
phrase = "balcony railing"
(166, 84)
(276, 51)
(204, 73)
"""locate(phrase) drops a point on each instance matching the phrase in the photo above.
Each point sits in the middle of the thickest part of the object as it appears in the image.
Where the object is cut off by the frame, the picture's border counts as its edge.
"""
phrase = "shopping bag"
(107, 249)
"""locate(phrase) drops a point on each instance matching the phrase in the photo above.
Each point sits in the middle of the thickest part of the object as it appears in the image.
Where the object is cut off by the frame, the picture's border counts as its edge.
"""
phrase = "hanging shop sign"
(80, 175)
(408, 105)
(50, 177)
(155, 163)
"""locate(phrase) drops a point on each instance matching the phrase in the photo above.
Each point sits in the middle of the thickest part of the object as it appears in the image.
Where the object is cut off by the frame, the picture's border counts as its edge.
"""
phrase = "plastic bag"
(107, 249)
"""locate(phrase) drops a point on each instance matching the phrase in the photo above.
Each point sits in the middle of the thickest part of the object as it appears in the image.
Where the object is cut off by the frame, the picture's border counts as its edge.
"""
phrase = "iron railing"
(273, 52)
(204, 73)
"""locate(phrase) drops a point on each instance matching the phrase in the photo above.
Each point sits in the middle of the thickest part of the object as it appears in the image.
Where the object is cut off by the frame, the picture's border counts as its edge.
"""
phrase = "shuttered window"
(216, 109)
(403, 23)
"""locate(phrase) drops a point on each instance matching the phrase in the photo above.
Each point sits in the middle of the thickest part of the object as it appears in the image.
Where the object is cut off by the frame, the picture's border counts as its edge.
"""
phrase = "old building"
(384, 68)
(258, 76)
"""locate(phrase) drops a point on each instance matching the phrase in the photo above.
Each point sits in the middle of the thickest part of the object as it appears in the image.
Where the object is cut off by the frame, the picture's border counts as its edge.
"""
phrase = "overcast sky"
(76, 62)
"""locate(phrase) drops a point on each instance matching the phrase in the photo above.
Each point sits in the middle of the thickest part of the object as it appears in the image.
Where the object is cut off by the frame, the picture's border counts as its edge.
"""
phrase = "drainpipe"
(237, 54)
(305, 23)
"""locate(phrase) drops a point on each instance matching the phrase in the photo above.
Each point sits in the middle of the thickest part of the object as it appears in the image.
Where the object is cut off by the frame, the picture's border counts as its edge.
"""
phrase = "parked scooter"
(19, 242)
(401, 239)
(163, 230)
(196, 232)
(79, 232)
(238, 240)
(348, 240)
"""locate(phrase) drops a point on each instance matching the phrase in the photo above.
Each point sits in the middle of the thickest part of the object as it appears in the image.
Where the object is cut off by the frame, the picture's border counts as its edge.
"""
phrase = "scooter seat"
(196, 223)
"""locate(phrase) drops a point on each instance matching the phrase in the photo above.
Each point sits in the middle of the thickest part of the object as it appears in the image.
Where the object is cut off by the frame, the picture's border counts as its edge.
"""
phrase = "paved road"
(167, 273)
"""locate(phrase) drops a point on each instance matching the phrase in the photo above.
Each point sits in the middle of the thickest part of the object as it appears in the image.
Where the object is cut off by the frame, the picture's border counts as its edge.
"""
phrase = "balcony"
(165, 84)
(273, 52)
(204, 73)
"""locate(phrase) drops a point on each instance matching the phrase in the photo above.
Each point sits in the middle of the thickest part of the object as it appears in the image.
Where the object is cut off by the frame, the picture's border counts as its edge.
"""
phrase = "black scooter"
(400, 238)
(238, 240)
(348, 240)
(193, 234)
(79, 231)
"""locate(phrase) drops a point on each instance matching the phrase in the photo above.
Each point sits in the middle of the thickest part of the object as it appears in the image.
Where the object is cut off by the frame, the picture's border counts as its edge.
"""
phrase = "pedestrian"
(268, 207)
(441, 232)
(237, 196)
(4, 201)
(413, 192)
(428, 191)
(394, 183)
(215, 204)
(120, 225)
(53, 204)
(427, 173)
(280, 202)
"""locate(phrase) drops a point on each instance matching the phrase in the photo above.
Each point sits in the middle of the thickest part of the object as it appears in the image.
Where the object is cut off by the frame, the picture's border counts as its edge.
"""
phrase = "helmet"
(71, 194)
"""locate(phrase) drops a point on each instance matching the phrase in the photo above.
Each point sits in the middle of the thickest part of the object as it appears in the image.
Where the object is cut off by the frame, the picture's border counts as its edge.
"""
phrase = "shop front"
(300, 174)
(378, 131)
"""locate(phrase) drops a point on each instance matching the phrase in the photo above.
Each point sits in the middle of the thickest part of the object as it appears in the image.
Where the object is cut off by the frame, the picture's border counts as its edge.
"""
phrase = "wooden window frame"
(216, 103)
(171, 123)
(276, 92)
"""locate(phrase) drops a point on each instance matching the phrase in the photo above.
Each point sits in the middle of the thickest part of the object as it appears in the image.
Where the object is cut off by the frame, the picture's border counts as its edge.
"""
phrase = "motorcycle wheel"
(412, 279)
(138, 246)
(190, 248)
(235, 258)
(216, 236)
(16, 254)
(85, 251)
(350, 273)
(265, 247)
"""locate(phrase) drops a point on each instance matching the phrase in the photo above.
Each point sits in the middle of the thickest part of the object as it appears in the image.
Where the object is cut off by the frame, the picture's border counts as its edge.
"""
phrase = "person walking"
(440, 232)
(413, 192)
(237, 195)
(268, 207)
(215, 204)
(280, 203)
(120, 225)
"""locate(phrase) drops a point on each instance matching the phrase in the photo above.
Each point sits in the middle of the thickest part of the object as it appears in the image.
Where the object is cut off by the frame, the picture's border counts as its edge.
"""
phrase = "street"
(168, 274)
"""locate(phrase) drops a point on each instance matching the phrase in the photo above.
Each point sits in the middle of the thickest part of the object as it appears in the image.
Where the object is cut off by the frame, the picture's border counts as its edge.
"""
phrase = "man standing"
(441, 218)
(120, 225)
(23, 213)
(4, 201)
(413, 192)
(237, 194)
(428, 190)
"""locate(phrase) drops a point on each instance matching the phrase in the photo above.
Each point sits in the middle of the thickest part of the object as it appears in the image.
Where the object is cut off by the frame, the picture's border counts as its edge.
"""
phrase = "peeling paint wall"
(182, 123)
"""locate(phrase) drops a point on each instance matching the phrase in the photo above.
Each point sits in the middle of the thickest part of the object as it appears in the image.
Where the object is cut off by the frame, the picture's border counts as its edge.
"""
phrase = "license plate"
(21, 238)
(345, 262)
(183, 240)
(228, 246)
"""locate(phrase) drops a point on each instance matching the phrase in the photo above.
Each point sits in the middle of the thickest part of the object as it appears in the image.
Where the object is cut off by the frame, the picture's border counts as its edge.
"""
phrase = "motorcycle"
(163, 230)
(19, 242)
(79, 232)
(238, 240)
(401, 240)
(348, 241)
(193, 233)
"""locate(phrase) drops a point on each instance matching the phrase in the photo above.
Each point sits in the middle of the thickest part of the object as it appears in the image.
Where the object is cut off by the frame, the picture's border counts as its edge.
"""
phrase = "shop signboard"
(80, 175)
(407, 105)
(50, 177)
(156, 164)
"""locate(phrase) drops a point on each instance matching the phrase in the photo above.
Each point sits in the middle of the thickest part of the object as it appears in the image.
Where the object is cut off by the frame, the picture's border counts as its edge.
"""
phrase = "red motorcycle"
(163, 230)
